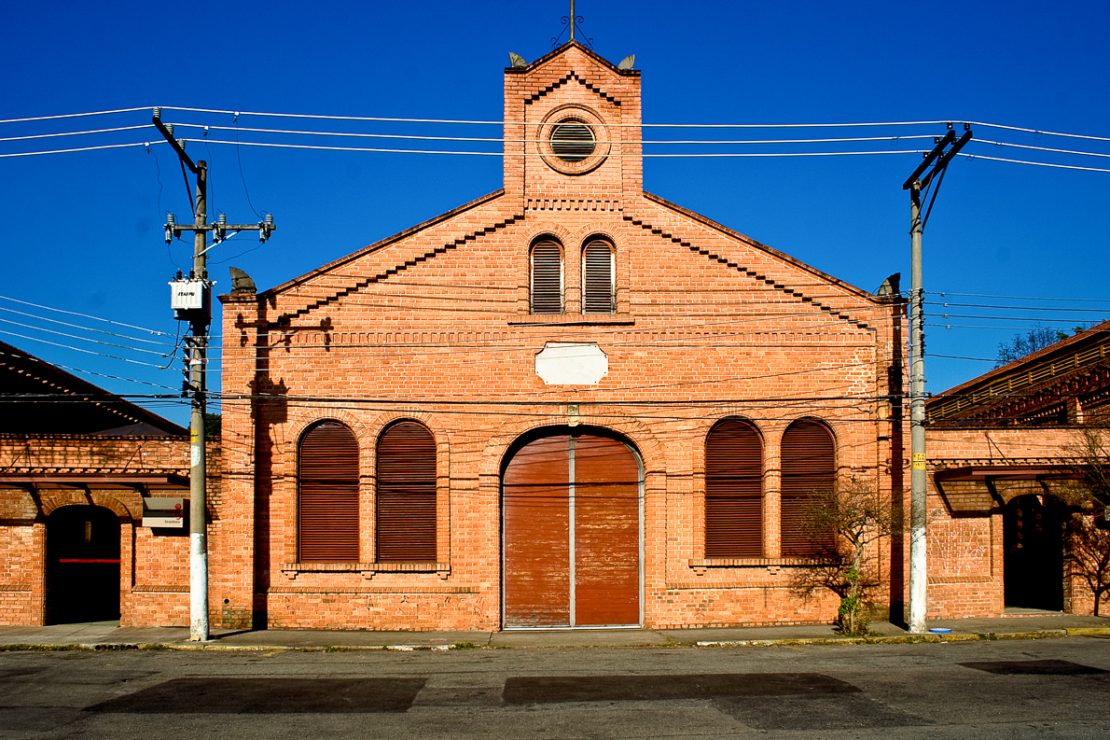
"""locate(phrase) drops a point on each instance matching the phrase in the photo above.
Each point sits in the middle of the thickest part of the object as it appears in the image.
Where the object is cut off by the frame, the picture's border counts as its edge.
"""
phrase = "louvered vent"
(406, 516)
(733, 491)
(808, 469)
(547, 278)
(327, 476)
(572, 141)
(597, 278)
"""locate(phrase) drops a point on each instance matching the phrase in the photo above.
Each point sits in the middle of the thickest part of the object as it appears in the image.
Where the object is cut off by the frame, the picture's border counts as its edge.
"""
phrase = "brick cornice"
(572, 75)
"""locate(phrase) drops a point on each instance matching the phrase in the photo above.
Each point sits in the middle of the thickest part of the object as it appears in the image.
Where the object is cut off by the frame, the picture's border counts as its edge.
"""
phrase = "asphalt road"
(1013, 689)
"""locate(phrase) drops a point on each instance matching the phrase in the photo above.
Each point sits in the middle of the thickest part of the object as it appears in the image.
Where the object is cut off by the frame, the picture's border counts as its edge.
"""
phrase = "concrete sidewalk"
(109, 635)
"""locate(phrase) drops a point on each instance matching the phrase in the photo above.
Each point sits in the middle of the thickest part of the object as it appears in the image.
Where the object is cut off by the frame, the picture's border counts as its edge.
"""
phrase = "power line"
(74, 133)
(84, 316)
(74, 115)
(1035, 164)
(99, 147)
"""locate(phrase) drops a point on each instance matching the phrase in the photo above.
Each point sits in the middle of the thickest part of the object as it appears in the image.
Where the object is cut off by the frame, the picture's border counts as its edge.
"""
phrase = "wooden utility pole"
(192, 301)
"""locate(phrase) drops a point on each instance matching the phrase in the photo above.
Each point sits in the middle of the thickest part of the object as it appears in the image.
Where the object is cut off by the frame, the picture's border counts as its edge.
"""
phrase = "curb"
(216, 646)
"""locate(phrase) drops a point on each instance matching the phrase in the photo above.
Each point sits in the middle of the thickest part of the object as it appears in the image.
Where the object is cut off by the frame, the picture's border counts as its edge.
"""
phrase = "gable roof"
(562, 50)
(39, 398)
(1036, 381)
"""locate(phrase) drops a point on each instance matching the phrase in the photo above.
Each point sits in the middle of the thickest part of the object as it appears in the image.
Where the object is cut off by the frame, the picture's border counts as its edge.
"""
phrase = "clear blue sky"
(83, 231)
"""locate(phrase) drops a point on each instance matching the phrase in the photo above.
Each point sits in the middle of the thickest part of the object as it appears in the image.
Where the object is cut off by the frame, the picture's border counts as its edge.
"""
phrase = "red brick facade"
(46, 473)
(434, 325)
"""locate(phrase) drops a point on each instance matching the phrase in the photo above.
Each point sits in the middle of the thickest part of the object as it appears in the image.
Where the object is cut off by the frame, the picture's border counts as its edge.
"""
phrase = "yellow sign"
(919, 461)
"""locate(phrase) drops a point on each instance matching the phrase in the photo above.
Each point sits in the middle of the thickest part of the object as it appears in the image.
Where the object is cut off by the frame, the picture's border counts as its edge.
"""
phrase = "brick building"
(566, 403)
(1008, 452)
(79, 470)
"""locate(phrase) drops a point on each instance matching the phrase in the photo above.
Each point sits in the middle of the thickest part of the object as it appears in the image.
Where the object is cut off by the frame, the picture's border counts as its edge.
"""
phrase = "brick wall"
(154, 567)
(433, 325)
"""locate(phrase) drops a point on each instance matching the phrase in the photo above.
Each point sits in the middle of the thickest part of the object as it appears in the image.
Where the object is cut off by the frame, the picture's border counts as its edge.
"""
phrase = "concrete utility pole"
(192, 301)
(938, 158)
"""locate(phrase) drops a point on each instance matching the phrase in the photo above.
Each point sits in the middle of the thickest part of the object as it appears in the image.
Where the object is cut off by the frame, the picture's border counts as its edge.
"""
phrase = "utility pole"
(191, 300)
(938, 159)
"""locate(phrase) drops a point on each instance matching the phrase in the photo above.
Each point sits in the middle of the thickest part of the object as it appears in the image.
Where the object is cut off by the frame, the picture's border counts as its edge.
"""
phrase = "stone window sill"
(367, 570)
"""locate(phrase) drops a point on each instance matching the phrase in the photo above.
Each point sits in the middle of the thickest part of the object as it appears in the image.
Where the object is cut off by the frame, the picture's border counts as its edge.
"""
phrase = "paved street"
(1011, 688)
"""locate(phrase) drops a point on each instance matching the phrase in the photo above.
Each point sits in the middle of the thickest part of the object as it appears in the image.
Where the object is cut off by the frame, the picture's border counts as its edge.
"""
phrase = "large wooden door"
(571, 517)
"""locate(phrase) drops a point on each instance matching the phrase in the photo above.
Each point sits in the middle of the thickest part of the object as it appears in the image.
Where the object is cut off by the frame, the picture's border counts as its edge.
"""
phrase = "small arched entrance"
(82, 565)
(1033, 541)
(572, 531)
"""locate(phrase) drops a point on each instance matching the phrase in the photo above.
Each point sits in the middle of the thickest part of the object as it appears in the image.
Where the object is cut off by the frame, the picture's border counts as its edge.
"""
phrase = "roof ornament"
(571, 22)
(627, 63)
(516, 60)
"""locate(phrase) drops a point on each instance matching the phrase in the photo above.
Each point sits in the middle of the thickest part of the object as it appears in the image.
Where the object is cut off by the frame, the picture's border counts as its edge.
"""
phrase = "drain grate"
(1034, 668)
(552, 689)
(218, 695)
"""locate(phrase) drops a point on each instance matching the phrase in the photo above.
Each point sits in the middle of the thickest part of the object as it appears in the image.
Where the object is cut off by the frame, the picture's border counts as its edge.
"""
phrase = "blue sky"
(83, 231)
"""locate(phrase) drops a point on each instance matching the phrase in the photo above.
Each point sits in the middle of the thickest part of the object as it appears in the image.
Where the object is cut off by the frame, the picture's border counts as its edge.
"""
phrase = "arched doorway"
(82, 565)
(572, 531)
(1033, 543)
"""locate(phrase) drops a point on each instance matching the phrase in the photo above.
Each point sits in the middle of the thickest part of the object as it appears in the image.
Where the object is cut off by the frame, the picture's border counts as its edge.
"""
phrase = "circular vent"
(572, 141)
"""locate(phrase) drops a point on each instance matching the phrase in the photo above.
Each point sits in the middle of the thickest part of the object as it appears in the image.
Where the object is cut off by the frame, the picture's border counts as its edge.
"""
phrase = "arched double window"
(598, 277)
(327, 494)
(547, 277)
(808, 473)
(406, 494)
(733, 490)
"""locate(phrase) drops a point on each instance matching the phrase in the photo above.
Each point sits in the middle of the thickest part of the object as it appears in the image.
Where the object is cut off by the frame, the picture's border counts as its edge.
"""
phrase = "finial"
(572, 20)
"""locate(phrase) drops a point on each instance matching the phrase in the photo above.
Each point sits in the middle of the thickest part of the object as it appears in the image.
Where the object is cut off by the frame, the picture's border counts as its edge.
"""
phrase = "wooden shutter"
(547, 278)
(733, 491)
(808, 468)
(406, 500)
(597, 278)
(327, 477)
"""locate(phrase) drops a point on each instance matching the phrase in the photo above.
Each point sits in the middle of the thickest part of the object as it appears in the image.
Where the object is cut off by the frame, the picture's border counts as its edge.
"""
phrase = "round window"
(572, 140)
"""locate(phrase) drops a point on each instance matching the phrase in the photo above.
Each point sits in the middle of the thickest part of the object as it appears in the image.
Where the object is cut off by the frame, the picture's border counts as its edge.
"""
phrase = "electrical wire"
(81, 349)
(500, 140)
(98, 147)
(1040, 148)
(84, 316)
(75, 115)
(29, 137)
(85, 328)
(1028, 162)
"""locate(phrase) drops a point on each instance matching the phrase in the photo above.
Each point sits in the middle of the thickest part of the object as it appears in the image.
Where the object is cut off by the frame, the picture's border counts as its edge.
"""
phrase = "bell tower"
(572, 130)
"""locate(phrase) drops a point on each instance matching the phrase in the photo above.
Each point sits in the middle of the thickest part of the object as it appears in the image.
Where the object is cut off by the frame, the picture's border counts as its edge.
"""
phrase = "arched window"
(808, 472)
(733, 491)
(598, 278)
(406, 515)
(327, 493)
(547, 277)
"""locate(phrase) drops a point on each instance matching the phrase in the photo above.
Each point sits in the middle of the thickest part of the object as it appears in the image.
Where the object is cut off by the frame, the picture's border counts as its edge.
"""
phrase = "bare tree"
(1087, 554)
(1021, 345)
(857, 517)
